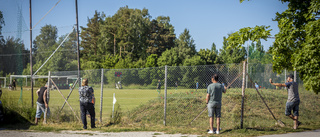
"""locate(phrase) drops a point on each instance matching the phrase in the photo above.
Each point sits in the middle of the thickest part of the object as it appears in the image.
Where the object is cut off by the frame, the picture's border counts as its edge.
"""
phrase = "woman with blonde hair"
(86, 103)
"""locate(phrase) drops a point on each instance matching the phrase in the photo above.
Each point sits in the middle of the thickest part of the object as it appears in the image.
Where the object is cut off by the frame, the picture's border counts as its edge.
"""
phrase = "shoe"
(84, 127)
(299, 123)
(210, 132)
(217, 132)
(94, 127)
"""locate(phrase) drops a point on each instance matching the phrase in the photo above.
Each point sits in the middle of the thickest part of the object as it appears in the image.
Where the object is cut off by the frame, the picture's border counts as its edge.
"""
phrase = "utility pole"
(78, 49)
(30, 11)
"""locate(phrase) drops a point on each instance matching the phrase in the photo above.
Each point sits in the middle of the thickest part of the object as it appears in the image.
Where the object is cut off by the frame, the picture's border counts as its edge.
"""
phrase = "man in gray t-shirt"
(214, 95)
(293, 99)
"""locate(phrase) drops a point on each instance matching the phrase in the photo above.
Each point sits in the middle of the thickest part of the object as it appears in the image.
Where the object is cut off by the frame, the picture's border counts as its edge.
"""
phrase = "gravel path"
(313, 133)
(26, 133)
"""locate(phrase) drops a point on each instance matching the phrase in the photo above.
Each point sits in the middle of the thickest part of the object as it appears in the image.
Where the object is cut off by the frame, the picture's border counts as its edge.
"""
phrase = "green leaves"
(297, 44)
(307, 60)
(236, 39)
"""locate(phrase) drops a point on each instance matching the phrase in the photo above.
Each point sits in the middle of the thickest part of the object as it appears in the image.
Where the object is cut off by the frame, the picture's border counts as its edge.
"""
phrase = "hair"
(84, 82)
(291, 76)
(215, 77)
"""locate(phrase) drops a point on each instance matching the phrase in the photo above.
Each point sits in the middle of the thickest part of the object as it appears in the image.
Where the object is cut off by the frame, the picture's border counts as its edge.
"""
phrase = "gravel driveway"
(27, 133)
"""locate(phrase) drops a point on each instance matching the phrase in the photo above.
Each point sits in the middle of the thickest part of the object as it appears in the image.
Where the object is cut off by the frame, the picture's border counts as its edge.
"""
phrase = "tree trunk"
(114, 44)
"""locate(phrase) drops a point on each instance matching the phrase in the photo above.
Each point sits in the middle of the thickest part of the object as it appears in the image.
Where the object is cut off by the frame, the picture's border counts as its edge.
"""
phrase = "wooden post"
(65, 100)
(243, 92)
(75, 83)
(48, 92)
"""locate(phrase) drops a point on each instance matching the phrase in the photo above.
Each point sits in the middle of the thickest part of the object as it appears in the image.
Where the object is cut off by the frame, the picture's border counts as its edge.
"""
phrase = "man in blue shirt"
(256, 85)
(213, 100)
(293, 99)
(197, 85)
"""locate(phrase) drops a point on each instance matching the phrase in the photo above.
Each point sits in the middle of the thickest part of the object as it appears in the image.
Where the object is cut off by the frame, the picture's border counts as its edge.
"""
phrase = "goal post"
(5, 81)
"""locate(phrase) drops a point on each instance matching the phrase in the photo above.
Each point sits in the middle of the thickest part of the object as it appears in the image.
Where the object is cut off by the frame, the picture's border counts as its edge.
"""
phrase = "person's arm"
(45, 98)
(277, 84)
(225, 89)
(38, 92)
(207, 98)
(93, 98)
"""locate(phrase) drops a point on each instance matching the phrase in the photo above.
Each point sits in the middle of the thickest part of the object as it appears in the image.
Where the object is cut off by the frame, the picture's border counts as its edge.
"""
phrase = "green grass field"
(128, 99)
(143, 110)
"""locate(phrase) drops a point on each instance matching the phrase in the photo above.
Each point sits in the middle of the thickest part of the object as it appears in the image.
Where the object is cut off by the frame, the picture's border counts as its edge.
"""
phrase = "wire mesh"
(140, 93)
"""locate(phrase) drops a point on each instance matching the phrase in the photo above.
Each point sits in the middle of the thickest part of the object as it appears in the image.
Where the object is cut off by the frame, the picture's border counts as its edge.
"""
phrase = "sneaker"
(299, 123)
(217, 132)
(210, 132)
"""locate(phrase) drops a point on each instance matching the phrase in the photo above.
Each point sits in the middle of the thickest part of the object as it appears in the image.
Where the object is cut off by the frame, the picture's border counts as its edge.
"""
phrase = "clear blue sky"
(207, 20)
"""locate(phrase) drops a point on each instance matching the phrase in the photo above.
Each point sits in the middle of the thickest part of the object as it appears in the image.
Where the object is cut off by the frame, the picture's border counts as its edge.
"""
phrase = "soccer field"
(128, 99)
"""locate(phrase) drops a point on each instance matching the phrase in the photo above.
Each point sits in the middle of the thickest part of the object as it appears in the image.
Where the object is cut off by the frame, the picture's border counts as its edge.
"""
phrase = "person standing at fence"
(86, 97)
(14, 84)
(213, 100)
(256, 85)
(293, 100)
(176, 83)
(159, 86)
(42, 102)
(197, 85)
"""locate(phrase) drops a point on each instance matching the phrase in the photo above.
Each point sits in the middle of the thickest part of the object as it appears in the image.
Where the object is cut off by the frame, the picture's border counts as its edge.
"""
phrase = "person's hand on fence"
(270, 80)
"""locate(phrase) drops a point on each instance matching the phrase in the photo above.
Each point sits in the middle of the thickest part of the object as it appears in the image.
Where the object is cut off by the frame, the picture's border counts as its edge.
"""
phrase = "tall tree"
(231, 55)
(161, 36)
(90, 36)
(68, 52)
(185, 40)
(296, 46)
(44, 43)
(1, 41)
(214, 48)
(12, 59)
(208, 56)
(1, 23)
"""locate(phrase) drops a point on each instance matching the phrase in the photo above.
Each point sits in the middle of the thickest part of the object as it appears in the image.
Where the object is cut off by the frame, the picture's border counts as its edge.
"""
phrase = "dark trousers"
(87, 107)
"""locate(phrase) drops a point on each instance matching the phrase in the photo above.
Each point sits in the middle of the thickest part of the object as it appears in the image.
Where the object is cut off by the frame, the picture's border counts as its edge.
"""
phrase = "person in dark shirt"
(42, 103)
(14, 84)
(159, 86)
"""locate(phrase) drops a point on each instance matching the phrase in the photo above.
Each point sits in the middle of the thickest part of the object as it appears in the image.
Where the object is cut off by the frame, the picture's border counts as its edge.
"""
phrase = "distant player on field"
(159, 86)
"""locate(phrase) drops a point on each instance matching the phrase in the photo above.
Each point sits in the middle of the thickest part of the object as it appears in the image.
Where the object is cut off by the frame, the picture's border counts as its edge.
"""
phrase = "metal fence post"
(243, 93)
(101, 96)
(165, 95)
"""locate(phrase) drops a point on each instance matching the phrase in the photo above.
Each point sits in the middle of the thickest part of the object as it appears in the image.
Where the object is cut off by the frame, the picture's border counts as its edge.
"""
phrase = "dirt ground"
(28, 133)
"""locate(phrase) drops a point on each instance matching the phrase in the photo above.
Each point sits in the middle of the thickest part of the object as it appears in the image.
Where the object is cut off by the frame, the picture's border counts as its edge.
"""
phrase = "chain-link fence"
(174, 95)
(141, 93)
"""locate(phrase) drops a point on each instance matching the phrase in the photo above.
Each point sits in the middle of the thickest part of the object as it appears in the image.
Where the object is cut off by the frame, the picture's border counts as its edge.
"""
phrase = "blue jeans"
(292, 106)
(41, 109)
